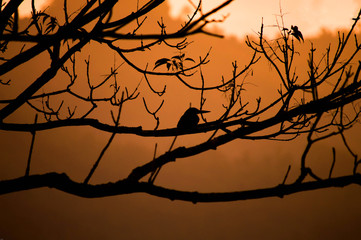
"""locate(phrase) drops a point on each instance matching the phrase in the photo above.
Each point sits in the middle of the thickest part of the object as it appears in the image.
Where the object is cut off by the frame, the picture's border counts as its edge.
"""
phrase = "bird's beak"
(203, 111)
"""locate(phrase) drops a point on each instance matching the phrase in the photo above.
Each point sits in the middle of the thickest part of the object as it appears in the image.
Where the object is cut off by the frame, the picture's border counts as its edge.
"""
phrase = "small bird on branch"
(190, 119)
(296, 33)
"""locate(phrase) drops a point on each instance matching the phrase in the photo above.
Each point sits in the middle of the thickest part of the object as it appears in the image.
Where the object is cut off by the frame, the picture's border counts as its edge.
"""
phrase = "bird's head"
(193, 110)
(189, 120)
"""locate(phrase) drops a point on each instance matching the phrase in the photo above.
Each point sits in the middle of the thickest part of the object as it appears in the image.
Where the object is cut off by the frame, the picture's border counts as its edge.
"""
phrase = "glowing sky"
(25, 7)
(245, 16)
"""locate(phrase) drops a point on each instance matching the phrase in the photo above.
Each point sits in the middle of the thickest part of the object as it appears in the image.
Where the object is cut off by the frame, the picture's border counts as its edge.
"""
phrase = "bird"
(190, 119)
(297, 33)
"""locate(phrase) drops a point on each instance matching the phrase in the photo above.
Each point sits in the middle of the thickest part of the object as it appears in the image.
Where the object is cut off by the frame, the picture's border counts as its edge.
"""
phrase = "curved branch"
(63, 183)
(340, 98)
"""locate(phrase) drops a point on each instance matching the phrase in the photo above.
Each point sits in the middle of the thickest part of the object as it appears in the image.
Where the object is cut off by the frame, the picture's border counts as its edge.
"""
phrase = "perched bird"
(190, 118)
(296, 33)
(188, 121)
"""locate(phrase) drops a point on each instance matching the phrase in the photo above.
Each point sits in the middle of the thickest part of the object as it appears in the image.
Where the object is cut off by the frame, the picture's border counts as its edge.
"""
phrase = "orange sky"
(50, 214)
(245, 17)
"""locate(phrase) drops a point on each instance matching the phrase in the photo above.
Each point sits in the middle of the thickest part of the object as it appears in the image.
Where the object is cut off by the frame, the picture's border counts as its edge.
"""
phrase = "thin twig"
(33, 133)
(154, 174)
(285, 178)
(333, 161)
(106, 146)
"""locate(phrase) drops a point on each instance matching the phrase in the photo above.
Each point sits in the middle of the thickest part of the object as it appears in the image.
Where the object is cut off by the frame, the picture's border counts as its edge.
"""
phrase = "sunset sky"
(245, 16)
(50, 214)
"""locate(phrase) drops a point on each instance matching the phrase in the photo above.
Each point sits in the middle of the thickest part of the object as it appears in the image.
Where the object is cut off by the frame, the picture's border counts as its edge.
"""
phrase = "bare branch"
(27, 171)
(104, 149)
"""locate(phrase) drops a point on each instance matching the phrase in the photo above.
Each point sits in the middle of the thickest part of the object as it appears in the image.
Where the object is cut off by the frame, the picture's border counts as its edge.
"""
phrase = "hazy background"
(51, 214)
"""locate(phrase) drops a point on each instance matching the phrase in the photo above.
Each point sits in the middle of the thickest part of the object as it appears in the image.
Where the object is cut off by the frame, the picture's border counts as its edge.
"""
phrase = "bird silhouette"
(190, 118)
(188, 121)
(297, 33)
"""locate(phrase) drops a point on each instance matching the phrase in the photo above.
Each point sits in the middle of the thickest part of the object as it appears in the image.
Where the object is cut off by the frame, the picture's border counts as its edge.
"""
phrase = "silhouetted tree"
(314, 106)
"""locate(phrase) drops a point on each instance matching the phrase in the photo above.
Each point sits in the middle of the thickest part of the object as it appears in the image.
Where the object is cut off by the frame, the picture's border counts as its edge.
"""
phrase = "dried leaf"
(160, 62)
(189, 59)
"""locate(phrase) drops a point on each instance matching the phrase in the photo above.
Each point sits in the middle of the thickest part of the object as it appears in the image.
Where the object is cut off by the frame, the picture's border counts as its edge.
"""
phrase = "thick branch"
(333, 101)
(63, 183)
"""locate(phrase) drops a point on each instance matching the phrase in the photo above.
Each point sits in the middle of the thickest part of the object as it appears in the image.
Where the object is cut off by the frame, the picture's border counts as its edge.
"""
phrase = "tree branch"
(63, 183)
